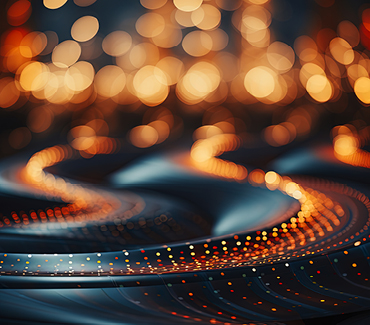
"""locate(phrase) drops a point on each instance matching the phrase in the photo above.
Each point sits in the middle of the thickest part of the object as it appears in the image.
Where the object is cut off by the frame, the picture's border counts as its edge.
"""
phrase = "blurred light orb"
(153, 4)
(150, 84)
(220, 39)
(197, 43)
(84, 28)
(150, 25)
(206, 17)
(277, 135)
(362, 89)
(187, 5)
(345, 145)
(110, 81)
(172, 67)
(319, 88)
(9, 93)
(260, 81)
(34, 76)
(19, 12)
(79, 76)
(162, 129)
(33, 44)
(66, 53)
(117, 43)
(143, 136)
(280, 56)
(54, 4)
(84, 3)
(341, 51)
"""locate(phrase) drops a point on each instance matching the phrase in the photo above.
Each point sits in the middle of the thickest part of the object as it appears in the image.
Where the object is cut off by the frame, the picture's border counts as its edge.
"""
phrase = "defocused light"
(117, 43)
(197, 43)
(143, 136)
(84, 3)
(187, 5)
(345, 145)
(19, 12)
(341, 51)
(362, 89)
(260, 81)
(66, 54)
(84, 28)
(110, 80)
(54, 4)
(9, 93)
(150, 25)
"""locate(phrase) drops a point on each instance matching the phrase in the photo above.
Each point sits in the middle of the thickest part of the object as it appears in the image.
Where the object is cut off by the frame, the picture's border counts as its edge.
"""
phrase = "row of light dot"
(272, 67)
(347, 145)
(314, 215)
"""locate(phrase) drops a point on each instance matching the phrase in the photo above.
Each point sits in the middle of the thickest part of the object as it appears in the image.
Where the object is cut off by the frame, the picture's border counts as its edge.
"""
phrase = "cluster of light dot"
(264, 71)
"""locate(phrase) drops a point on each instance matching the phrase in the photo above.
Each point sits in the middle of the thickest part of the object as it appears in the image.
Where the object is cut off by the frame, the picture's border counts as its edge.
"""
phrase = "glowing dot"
(84, 28)
(187, 5)
(54, 4)
(362, 89)
(260, 81)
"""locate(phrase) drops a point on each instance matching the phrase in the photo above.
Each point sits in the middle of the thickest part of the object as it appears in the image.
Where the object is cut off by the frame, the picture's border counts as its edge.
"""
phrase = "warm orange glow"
(345, 145)
(197, 43)
(362, 89)
(54, 4)
(150, 84)
(110, 80)
(150, 25)
(143, 136)
(84, 28)
(66, 54)
(187, 5)
(117, 43)
(260, 81)
(341, 51)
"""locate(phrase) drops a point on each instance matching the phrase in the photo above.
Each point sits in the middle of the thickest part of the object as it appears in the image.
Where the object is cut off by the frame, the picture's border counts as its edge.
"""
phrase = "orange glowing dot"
(54, 4)
(197, 43)
(187, 5)
(110, 81)
(66, 53)
(206, 17)
(150, 25)
(280, 56)
(84, 28)
(117, 43)
(345, 145)
(143, 136)
(362, 89)
(341, 51)
(272, 178)
(260, 81)
(9, 93)
(319, 88)
(19, 12)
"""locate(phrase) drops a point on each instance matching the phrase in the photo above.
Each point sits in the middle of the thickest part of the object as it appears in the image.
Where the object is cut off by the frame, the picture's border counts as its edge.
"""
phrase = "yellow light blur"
(362, 89)
(66, 53)
(84, 28)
